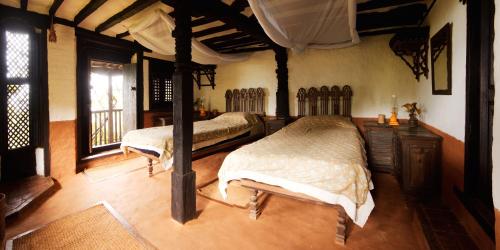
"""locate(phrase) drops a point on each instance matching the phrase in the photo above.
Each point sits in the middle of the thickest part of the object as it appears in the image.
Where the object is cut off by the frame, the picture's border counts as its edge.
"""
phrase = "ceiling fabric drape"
(299, 24)
(155, 33)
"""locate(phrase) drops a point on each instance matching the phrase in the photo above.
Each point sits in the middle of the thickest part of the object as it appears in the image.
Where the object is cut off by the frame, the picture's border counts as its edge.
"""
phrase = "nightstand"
(273, 125)
(381, 151)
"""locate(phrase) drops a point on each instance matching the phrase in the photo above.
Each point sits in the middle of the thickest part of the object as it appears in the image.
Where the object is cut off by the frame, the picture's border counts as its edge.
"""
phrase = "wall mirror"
(441, 61)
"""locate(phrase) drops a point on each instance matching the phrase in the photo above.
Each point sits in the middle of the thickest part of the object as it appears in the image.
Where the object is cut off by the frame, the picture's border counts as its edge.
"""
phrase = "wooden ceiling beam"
(240, 45)
(385, 31)
(24, 4)
(212, 30)
(371, 5)
(55, 5)
(245, 50)
(219, 39)
(122, 35)
(401, 16)
(86, 11)
(131, 10)
(225, 13)
(230, 42)
(239, 5)
(203, 21)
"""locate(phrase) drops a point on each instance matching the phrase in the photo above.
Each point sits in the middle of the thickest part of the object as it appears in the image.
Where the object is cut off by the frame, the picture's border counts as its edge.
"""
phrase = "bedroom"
(371, 68)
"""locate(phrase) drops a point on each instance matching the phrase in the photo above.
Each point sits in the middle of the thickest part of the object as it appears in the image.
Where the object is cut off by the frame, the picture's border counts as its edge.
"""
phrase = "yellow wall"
(447, 112)
(62, 75)
(371, 68)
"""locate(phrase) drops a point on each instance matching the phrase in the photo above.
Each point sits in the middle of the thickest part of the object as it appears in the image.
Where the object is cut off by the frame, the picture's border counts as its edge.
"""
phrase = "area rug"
(98, 227)
(237, 196)
(101, 173)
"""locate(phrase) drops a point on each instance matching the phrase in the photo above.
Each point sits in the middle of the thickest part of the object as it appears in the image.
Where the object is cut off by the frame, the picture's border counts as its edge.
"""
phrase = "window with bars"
(17, 73)
(160, 85)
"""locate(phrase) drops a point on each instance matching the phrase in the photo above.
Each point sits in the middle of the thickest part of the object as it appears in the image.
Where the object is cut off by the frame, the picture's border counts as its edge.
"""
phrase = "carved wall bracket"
(412, 47)
(208, 71)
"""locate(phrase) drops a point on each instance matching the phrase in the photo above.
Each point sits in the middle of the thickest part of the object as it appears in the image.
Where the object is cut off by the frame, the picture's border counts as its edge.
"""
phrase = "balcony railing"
(106, 127)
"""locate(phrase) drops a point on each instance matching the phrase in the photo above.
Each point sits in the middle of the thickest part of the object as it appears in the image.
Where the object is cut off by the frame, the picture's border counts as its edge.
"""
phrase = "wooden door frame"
(478, 120)
(99, 47)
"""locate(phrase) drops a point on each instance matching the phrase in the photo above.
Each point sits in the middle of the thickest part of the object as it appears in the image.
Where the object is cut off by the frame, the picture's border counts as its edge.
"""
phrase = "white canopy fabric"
(155, 33)
(299, 24)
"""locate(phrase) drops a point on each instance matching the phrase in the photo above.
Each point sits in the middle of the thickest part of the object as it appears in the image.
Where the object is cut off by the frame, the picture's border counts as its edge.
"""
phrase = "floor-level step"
(442, 229)
(21, 193)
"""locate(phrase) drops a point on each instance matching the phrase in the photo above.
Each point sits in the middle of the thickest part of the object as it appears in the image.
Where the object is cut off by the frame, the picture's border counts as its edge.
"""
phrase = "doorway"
(106, 108)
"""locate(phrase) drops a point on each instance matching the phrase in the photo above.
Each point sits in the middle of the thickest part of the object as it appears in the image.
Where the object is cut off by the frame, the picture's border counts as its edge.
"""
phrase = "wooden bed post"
(150, 167)
(282, 102)
(183, 203)
(255, 210)
(341, 226)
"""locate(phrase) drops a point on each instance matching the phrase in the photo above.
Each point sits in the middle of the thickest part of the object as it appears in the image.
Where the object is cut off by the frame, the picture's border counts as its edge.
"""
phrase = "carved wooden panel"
(312, 96)
(330, 101)
(245, 100)
(324, 97)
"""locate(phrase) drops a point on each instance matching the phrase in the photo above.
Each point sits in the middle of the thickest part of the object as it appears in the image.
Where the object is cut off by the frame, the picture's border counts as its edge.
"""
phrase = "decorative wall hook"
(412, 46)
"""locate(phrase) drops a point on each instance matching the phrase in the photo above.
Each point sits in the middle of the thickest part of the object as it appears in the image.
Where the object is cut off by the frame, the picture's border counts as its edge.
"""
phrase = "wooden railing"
(106, 127)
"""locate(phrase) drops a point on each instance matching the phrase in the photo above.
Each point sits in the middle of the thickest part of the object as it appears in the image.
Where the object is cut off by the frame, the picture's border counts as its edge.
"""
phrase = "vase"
(413, 121)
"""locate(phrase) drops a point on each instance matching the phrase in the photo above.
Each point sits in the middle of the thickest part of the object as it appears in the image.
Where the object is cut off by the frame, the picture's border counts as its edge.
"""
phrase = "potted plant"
(413, 111)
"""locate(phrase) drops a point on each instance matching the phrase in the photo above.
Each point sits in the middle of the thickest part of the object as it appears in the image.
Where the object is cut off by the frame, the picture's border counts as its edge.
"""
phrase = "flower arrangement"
(413, 111)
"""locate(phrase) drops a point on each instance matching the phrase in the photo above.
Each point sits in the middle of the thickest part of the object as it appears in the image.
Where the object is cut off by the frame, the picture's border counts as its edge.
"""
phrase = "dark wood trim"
(24, 5)
(386, 31)
(477, 194)
(244, 50)
(64, 22)
(44, 101)
(371, 5)
(92, 6)
(442, 39)
(55, 6)
(282, 102)
(241, 44)
(203, 21)
(34, 19)
(183, 204)
(212, 30)
(140, 89)
(229, 16)
(122, 35)
(405, 15)
(98, 47)
(220, 39)
(131, 10)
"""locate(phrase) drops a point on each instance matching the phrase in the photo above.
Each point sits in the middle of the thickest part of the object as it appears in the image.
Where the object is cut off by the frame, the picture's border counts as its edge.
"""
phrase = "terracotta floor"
(285, 224)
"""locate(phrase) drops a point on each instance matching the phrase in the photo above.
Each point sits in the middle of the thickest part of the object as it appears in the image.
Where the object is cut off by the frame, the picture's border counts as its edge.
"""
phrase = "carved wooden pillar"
(183, 177)
(282, 107)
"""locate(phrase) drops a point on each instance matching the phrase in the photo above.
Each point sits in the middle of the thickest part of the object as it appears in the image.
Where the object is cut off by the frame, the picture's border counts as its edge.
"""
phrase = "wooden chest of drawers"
(381, 149)
(412, 154)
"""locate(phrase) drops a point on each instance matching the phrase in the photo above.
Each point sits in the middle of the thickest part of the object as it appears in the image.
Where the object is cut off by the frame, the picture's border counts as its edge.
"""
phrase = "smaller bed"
(227, 131)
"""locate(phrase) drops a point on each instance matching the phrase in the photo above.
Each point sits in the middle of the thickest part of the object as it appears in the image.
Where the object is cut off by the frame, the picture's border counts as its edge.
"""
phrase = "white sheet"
(322, 157)
(299, 24)
(155, 32)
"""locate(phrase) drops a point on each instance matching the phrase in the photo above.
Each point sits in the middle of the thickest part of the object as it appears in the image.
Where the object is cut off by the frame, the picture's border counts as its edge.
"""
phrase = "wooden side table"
(381, 147)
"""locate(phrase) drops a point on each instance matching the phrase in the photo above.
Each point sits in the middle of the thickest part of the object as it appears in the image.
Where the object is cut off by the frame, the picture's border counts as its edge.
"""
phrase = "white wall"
(371, 68)
(447, 112)
(62, 75)
(496, 117)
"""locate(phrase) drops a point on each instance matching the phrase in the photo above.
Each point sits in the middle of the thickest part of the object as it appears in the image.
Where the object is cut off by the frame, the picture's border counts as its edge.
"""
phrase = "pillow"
(328, 120)
(238, 117)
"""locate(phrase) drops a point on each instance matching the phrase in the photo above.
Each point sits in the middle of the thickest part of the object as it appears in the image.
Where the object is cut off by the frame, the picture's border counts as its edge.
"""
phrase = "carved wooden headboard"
(332, 101)
(245, 100)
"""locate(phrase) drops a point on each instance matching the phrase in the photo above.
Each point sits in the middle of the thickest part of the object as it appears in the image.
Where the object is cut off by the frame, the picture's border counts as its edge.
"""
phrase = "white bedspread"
(205, 133)
(321, 156)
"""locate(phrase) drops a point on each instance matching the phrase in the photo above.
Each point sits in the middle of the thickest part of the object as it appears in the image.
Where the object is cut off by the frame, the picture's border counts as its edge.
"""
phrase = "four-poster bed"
(318, 158)
(240, 125)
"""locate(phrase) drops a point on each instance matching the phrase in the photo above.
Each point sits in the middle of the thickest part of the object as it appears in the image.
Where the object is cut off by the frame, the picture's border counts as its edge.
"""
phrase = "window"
(161, 85)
